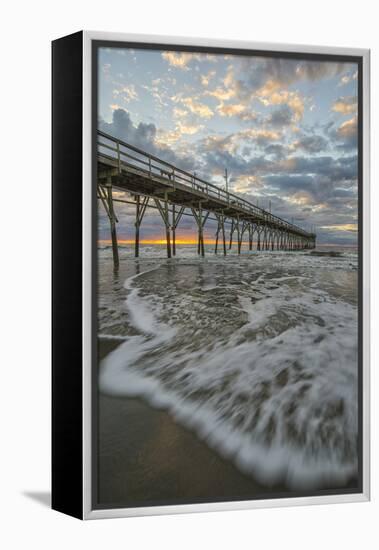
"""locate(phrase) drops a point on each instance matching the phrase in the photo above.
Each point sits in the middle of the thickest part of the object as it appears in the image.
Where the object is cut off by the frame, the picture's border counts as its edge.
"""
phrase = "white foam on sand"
(278, 396)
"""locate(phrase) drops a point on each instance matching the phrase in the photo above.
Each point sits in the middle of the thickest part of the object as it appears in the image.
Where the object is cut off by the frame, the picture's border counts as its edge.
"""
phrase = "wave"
(262, 367)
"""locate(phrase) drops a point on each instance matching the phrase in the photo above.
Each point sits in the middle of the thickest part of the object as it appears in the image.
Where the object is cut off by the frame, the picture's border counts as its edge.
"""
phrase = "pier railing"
(129, 156)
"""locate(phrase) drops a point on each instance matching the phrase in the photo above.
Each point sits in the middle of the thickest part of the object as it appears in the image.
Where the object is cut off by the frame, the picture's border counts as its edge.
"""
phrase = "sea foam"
(258, 358)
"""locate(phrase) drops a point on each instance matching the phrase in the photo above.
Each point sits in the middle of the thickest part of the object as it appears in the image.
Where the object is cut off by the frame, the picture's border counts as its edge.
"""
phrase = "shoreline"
(146, 457)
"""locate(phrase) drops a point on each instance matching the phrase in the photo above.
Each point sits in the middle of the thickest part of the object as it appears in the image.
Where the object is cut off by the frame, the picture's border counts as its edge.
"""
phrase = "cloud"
(267, 81)
(222, 94)
(288, 182)
(342, 168)
(311, 144)
(179, 113)
(246, 183)
(348, 128)
(342, 227)
(145, 136)
(206, 78)
(347, 78)
(346, 135)
(239, 142)
(189, 128)
(286, 72)
(261, 135)
(181, 60)
(157, 92)
(197, 108)
(345, 105)
(277, 150)
(230, 109)
(123, 128)
(271, 95)
(280, 117)
(127, 93)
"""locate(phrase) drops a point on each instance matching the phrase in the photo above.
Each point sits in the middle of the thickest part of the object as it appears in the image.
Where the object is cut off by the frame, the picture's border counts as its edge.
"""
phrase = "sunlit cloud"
(189, 128)
(197, 108)
(345, 105)
(347, 78)
(348, 128)
(127, 93)
(301, 198)
(230, 109)
(342, 227)
(271, 95)
(247, 183)
(181, 60)
(222, 94)
(206, 78)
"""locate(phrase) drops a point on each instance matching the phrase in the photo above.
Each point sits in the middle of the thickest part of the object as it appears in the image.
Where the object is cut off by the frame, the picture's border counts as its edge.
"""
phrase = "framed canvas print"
(210, 275)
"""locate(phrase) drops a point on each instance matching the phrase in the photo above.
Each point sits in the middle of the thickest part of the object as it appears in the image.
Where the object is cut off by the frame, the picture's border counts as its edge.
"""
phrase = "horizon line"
(162, 242)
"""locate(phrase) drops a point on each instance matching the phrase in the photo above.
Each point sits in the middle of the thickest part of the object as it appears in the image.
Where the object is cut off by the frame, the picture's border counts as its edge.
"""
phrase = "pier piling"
(175, 192)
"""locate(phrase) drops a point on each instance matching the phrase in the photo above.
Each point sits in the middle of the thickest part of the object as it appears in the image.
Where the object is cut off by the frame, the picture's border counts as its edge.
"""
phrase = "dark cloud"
(312, 143)
(143, 136)
(282, 116)
(344, 135)
(276, 150)
(122, 127)
(342, 168)
(288, 71)
(289, 182)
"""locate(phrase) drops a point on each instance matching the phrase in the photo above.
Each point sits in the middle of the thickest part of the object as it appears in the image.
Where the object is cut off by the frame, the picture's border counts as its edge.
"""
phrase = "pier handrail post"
(118, 156)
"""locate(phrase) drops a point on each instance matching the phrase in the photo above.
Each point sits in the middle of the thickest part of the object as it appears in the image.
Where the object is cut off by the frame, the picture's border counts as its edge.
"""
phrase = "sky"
(285, 129)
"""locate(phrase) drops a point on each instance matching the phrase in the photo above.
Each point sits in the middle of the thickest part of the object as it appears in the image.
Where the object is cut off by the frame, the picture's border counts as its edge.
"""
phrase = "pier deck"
(156, 183)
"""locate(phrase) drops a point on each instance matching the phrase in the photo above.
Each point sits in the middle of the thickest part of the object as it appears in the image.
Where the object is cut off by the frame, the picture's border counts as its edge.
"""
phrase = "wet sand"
(145, 457)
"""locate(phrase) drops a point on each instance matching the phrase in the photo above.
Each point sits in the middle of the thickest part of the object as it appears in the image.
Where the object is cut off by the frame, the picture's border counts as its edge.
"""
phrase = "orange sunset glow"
(189, 240)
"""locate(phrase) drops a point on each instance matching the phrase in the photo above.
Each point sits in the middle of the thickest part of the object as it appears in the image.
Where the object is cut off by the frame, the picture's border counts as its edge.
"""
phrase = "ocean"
(257, 354)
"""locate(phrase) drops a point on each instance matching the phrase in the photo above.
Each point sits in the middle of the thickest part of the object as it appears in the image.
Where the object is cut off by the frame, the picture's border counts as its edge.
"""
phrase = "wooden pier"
(174, 193)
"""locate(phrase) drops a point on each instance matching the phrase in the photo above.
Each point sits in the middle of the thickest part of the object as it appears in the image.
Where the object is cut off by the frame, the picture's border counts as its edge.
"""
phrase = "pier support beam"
(259, 231)
(239, 237)
(217, 232)
(220, 227)
(232, 227)
(200, 224)
(251, 232)
(167, 228)
(223, 232)
(107, 200)
(173, 231)
(140, 211)
(164, 212)
(175, 221)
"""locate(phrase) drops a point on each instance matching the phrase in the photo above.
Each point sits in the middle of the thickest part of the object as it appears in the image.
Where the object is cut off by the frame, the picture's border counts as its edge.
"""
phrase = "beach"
(226, 378)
